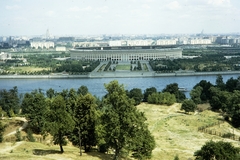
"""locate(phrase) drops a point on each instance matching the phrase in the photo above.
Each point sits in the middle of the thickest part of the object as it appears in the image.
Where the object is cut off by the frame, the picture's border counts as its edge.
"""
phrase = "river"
(96, 85)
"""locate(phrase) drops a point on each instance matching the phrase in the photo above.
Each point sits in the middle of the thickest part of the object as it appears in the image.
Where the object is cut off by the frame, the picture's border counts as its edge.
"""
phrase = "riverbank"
(118, 74)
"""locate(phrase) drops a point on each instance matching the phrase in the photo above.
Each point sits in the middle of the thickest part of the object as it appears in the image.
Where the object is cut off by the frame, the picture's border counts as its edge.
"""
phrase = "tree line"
(113, 122)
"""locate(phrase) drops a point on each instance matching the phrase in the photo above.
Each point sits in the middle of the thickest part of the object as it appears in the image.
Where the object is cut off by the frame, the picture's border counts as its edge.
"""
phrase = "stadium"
(125, 53)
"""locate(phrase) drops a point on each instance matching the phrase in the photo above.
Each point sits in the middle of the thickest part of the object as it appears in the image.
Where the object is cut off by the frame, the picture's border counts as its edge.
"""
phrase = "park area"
(176, 134)
(123, 67)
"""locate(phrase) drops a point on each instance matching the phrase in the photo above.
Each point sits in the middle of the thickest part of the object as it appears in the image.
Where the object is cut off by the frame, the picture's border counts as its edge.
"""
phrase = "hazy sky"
(88, 17)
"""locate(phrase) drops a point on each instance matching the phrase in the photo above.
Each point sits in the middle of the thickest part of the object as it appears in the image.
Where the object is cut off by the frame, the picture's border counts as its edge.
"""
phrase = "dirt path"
(10, 147)
(20, 128)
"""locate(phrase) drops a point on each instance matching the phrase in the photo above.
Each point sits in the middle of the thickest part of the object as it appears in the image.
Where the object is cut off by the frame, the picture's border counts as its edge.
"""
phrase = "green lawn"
(123, 67)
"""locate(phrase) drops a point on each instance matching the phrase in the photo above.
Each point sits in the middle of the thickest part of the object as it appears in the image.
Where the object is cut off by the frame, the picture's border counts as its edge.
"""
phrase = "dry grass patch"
(175, 132)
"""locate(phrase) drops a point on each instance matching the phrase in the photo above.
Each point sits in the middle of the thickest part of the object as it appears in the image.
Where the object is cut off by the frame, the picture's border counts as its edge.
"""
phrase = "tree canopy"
(217, 150)
(124, 124)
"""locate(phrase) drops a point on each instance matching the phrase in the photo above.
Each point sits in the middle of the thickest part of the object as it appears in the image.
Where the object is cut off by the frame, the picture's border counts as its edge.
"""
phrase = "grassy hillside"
(175, 132)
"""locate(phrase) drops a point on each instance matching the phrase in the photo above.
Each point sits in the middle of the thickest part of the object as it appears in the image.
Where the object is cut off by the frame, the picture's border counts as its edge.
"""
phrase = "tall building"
(47, 34)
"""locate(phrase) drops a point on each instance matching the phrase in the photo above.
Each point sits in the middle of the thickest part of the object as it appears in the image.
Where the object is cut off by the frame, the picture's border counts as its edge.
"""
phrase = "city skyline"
(94, 17)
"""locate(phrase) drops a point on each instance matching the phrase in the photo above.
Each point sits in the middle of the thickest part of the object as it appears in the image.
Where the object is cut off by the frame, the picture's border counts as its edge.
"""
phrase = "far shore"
(118, 74)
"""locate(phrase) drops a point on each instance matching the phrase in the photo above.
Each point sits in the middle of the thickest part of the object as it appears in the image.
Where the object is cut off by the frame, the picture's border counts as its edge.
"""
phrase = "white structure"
(5, 56)
(166, 42)
(140, 42)
(42, 45)
(200, 41)
(61, 48)
(125, 53)
(115, 43)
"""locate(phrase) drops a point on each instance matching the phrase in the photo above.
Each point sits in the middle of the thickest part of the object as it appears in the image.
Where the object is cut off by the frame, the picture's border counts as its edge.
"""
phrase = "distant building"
(166, 42)
(125, 53)
(66, 39)
(4, 56)
(42, 45)
(139, 42)
(61, 48)
(200, 41)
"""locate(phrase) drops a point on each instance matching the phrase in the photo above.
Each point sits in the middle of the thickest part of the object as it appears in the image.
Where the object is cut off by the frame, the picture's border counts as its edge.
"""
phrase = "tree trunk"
(60, 141)
(117, 151)
(61, 148)
(80, 141)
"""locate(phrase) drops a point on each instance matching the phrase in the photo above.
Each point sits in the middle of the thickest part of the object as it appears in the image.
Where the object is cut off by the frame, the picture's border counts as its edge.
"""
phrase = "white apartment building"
(200, 41)
(42, 45)
(61, 48)
(4, 56)
(166, 42)
(140, 42)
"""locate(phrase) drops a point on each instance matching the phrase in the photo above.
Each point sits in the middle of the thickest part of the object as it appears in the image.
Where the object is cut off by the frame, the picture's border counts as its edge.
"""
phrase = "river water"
(96, 85)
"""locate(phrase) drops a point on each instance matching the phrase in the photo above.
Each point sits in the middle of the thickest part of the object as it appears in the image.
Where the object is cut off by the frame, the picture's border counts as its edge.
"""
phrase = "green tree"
(9, 100)
(2, 129)
(58, 122)
(51, 93)
(188, 106)
(217, 150)
(136, 94)
(162, 98)
(18, 135)
(123, 123)
(196, 95)
(82, 90)
(85, 117)
(231, 84)
(30, 135)
(148, 92)
(205, 95)
(219, 82)
(174, 89)
(34, 107)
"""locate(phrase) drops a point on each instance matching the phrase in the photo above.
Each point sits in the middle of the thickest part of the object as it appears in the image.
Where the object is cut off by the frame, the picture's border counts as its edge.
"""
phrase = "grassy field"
(27, 69)
(175, 132)
(123, 67)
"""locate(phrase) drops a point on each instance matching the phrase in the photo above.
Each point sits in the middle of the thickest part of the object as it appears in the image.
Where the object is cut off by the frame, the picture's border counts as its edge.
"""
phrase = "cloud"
(145, 6)
(50, 13)
(88, 8)
(219, 2)
(13, 7)
(103, 9)
(74, 9)
(174, 5)
(77, 9)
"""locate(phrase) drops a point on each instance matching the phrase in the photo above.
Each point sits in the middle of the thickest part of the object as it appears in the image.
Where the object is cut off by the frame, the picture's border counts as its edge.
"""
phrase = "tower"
(47, 34)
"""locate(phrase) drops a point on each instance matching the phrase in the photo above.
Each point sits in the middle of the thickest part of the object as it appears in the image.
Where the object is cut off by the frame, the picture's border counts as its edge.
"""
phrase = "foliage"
(82, 90)
(123, 123)
(34, 107)
(162, 98)
(219, 82)
(30, 135)
(18, 135)
(2, 129)
(85, 117)
(58, 121)
(176, 157)
(148, 92)
(205, 95)
(188, 106)
(196, 95)
(136, 94)
(217, 150)
(9, 101)
(174, 89)
(232, 84)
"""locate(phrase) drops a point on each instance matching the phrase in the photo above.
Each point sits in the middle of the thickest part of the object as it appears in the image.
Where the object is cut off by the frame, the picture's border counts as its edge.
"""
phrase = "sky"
(93, 17)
